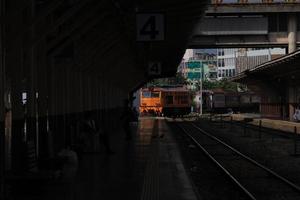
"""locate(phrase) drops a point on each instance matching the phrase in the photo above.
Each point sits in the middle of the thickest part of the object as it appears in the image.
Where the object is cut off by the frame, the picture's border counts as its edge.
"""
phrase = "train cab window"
(219, 97)
(169, 99)
(155, 94)
(146, 94)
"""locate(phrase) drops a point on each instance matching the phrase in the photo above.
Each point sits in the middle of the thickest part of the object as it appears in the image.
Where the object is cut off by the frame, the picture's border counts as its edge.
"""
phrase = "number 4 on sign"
(154, 68)
(150, 27)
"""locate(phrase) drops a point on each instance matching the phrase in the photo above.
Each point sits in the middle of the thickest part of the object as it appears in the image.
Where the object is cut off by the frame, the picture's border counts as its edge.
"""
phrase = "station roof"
(119, 56)
(99, 38)
(283, 68)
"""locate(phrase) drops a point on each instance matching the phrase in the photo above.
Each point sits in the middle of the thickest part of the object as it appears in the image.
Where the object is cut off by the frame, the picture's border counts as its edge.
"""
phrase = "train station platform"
(256, 119)
(148, 166)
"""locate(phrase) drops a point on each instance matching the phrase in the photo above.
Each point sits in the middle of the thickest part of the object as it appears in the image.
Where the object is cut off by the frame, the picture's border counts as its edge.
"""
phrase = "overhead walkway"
(240, 24)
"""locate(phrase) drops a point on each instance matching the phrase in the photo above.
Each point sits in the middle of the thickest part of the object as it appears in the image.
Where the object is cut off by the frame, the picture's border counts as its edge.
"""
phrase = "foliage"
(223, 84)
(179, 79)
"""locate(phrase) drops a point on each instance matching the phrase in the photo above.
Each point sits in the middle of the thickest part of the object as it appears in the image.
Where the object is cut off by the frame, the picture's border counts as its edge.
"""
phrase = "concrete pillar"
(2, 87)
(19, 135)
(15, 73)
(42, 102)
(54, 94)
(292, 32)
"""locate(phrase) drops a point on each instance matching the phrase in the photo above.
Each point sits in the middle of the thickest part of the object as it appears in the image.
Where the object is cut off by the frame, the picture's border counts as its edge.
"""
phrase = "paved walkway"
(147, 167)
(283, 125)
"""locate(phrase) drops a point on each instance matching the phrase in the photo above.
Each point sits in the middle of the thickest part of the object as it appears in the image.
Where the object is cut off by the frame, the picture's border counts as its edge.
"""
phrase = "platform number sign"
(154, 68)
(150, 27)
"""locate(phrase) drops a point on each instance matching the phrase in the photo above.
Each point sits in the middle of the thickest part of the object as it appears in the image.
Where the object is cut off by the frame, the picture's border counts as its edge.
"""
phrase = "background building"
(233, 61)
(226, 63)
(250, 58)
(198, 64)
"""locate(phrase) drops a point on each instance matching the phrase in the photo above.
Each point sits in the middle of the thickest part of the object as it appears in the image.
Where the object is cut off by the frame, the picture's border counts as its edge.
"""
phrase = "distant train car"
(232, 100)
(165, 101)
(220, 101)
(175, 101)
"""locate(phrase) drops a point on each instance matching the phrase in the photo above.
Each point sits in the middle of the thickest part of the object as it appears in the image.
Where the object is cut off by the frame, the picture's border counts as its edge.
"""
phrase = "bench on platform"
(33, 177)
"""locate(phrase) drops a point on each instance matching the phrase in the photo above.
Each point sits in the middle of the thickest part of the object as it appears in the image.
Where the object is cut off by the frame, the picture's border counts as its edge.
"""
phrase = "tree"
(223, 84)
(179, 79)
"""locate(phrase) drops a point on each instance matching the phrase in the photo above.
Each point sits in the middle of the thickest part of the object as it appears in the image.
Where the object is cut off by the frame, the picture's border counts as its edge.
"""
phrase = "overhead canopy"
(285, 68)
(101, 37)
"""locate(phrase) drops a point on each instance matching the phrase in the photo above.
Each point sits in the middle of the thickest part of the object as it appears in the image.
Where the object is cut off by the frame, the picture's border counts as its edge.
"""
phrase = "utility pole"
(201, 79)
(201, 97)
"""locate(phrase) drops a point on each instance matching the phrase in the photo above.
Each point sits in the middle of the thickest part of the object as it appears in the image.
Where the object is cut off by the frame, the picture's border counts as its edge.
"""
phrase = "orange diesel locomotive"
(165, 101)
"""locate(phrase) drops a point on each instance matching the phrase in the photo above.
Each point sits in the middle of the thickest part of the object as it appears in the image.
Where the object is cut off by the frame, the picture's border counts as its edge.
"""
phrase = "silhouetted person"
(229, 111)
(104, 138)
(135, 115)
(89, 132)
(126, 117)
(70, 162)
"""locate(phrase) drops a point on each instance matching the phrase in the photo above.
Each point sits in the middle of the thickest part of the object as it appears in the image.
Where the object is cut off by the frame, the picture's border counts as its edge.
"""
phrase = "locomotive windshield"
(147, 94)
(155, 94)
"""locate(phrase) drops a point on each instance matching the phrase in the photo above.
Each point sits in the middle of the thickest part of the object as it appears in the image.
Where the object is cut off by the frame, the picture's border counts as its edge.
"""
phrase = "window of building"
(220, 52)
(221, 63)
(282, 22)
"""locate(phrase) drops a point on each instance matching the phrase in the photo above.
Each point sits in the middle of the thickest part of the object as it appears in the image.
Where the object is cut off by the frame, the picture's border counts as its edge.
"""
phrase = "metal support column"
(42, 102)
(292, 32)
(15, 70)
(2, 87)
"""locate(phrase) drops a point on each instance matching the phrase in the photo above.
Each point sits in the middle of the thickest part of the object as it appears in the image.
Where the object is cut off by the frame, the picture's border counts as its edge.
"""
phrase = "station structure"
(64, 60)
(61, 61)
(277, 82)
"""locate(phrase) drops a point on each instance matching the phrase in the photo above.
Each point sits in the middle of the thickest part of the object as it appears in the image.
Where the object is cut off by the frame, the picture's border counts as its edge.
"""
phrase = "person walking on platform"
(89, 133)
(126, 118)
(92, 131)
(104, 139)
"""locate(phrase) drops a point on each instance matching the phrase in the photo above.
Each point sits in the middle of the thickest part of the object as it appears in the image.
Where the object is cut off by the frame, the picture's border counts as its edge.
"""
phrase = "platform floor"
(147, 167)
(282, 125)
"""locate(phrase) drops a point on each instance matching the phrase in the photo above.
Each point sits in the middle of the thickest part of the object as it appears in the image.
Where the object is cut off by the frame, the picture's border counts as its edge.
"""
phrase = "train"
(177, 101)
(165, 101)
(220, 101)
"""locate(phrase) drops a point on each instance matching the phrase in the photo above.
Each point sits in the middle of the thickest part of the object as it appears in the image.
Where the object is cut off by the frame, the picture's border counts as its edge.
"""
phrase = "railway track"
(251, 178)
(255, 128)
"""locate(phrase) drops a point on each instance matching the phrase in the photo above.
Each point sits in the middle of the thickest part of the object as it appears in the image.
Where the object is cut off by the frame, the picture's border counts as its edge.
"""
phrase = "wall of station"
(47, 96)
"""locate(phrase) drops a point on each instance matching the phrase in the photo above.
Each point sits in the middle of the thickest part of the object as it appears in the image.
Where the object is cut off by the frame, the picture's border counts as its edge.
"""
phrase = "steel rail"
(251, 196)
(294, 186)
